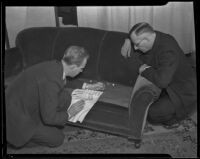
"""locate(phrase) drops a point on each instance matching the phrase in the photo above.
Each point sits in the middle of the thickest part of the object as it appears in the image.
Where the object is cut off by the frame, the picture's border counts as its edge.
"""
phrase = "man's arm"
(48, 94)
(167, 65)
(126, 48)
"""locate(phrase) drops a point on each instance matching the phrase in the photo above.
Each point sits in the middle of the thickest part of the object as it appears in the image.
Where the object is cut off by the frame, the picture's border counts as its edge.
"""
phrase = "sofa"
(34, 45)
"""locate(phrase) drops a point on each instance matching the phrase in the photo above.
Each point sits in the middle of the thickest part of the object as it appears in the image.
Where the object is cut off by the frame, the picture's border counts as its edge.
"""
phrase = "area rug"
(177, 142)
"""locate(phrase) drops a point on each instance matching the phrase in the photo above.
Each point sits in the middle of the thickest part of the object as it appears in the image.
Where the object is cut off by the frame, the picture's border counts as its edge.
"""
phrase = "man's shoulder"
(51, 64)
(45, 67)
(164, 36)
(166, 40)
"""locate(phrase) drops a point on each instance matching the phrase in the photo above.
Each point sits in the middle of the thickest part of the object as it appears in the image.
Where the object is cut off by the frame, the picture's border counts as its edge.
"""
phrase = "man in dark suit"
(161, 61)
(37, 101)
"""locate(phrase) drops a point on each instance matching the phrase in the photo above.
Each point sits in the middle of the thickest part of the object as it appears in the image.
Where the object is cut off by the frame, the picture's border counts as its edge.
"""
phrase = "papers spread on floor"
(89, 96)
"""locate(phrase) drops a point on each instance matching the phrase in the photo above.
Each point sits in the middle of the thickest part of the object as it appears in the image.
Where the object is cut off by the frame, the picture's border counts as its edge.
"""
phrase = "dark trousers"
(162, 111)
(47, 136)
(51, 136)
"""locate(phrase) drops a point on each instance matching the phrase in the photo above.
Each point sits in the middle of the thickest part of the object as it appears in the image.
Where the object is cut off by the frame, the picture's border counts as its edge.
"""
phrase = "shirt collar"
(64, 75)
(156, 41)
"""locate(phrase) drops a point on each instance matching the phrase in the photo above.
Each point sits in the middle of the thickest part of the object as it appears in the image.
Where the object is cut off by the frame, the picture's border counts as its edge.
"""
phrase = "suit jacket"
(171, 71)
(37, 96)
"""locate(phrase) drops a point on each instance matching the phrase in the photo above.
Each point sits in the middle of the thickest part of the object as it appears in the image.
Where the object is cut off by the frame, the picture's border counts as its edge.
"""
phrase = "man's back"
(178, 76)
(184, 78)
(23, 99)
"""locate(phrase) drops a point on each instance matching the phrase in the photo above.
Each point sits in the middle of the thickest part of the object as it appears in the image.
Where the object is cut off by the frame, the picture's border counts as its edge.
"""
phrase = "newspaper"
(90, 97)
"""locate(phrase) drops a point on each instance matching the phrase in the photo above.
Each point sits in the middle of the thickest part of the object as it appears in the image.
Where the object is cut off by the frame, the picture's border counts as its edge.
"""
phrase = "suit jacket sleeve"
(167, 64)
(49, 96)
(64, 99)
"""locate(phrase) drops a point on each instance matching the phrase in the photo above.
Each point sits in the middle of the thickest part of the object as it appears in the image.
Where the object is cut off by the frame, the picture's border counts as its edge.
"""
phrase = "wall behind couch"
(19, 18)
(175, 18)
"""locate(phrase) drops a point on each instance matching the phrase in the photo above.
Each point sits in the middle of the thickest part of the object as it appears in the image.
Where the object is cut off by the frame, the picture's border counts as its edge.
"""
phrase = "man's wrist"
(143, 69)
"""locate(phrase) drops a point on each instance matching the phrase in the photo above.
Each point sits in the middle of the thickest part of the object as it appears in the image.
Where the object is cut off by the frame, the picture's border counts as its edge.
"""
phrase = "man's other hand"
(76, 108)
(126, 48)
(143, 67)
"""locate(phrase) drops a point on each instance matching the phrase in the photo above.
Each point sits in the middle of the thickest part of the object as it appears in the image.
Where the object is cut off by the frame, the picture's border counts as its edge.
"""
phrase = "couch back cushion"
(105, 62)
(88, 38)
(47, 43)
(36, 44)
(113, 67)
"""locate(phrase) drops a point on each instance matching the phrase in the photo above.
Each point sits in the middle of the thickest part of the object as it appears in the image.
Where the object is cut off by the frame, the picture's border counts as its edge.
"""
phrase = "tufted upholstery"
(106, 63)
(34, 45)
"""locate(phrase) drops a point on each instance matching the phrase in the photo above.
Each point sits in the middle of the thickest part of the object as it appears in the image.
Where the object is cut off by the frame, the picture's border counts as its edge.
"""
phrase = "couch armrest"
(13, 62)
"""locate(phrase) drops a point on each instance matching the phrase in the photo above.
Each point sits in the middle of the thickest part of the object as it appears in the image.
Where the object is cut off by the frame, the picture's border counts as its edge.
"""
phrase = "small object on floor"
(113, 84)
(69, 138)
(137, 145)
(176, 125)
(137, 142)
(148, 128)
(93, 134)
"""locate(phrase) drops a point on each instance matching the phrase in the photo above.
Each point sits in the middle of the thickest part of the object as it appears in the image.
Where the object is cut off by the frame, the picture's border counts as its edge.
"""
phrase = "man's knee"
(159, 114)
(48, 136)
(57, 140)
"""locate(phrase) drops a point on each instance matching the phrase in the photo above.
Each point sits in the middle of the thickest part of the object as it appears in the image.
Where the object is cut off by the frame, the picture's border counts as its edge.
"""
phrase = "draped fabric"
(175, 18)
(19, 18)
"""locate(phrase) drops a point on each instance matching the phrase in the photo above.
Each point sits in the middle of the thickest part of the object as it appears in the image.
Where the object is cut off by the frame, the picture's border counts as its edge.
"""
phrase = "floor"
(176, 142)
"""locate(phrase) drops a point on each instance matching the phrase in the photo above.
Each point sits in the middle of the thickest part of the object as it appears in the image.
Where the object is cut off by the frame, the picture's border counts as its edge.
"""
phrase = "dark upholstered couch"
(35, 45)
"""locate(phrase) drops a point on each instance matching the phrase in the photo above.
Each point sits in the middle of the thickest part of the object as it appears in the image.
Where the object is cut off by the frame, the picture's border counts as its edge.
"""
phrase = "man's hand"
(76, 108)
(126, 48)
(96, 86)
(143, 67)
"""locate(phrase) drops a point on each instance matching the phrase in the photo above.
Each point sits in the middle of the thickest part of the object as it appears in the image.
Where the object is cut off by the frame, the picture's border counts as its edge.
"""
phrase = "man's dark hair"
(75, 55)
(140, 28)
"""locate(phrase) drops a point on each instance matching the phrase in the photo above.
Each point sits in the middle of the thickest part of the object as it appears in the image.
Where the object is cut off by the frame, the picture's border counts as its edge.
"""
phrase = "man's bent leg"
(47, 136)
(162, 111)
